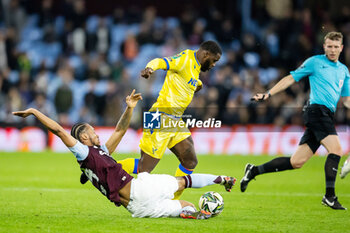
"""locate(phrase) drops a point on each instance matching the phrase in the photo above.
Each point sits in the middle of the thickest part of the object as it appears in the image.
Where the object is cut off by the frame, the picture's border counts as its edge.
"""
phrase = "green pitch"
(40, 192)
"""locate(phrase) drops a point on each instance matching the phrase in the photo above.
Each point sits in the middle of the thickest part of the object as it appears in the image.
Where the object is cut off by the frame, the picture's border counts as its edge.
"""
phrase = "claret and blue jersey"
(328, 80)
(102, 170)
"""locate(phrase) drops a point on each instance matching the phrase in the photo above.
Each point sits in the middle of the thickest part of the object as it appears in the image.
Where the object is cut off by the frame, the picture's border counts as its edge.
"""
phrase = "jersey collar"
(331, 62)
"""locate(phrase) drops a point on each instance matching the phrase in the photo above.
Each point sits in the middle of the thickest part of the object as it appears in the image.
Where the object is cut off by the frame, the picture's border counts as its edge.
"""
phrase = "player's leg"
(345, 168)
(203, 180)
(153, 146)
(130, 165)
(198, 181)
(301, 156)
(151, 194)
(332, 144)
(147, 163)
(186, 203)
(307, 147)
(184, 151)
(189, 211)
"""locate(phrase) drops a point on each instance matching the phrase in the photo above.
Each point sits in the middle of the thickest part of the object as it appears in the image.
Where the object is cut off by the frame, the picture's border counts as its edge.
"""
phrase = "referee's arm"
(283, 84)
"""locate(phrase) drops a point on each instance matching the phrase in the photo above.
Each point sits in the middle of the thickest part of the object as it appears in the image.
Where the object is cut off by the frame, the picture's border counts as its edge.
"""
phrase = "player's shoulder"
(317, 58)
(190, 54)
(186, 52)
(179, 55)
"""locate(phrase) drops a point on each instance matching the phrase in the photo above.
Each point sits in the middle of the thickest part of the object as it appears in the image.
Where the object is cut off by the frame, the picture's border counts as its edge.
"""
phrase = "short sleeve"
(346, 86)
(80, 151)
(104, 148)
(176, 63)
(304, 70)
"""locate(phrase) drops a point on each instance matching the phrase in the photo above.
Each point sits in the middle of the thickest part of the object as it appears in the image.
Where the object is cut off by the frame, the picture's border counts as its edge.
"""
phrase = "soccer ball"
(211, 202)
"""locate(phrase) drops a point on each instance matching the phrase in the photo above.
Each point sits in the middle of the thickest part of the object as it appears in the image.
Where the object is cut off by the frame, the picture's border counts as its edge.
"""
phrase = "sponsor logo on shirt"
(193, 82)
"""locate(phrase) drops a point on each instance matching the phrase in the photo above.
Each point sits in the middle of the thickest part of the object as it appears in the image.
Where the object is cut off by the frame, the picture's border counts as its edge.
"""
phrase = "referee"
(329, 79)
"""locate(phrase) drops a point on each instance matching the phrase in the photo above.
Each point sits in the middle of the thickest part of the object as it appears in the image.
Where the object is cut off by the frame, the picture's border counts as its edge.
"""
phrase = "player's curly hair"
(211, 46)
(334, 36)
(77, 129)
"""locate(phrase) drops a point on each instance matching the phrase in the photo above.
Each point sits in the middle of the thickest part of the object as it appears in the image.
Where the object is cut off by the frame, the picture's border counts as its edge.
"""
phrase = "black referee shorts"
(319, 122)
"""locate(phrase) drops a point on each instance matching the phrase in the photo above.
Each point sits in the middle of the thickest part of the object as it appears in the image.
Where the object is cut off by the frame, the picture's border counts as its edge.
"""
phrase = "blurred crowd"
(78, 66)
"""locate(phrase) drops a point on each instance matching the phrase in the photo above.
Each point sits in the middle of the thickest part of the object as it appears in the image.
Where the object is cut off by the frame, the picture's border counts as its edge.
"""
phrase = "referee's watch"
(268, 93)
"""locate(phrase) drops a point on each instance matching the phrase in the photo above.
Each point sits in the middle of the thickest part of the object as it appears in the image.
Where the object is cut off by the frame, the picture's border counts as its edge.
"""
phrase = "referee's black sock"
(330, 169)
(275, 165)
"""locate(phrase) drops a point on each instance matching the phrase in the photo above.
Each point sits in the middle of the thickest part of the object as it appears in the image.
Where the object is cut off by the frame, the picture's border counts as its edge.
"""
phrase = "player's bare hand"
(23, 113)
(146, 73)
(260, 97)
(132, 99)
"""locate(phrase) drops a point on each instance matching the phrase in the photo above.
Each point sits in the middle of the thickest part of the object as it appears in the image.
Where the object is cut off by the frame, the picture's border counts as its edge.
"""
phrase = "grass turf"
(40, 192)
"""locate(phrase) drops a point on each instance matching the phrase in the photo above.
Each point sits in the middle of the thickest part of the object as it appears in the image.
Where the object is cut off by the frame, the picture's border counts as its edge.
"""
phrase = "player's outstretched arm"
(283, 84)
(152, 66)
(50, 124)
(124, 121)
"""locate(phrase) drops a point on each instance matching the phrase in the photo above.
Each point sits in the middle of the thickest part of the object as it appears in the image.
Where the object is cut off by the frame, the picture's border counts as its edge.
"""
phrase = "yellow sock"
(129, 165)
(181, 171)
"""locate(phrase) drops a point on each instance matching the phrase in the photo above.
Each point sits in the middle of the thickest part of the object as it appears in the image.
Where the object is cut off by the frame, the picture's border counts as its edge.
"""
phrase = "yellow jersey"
(181, 81)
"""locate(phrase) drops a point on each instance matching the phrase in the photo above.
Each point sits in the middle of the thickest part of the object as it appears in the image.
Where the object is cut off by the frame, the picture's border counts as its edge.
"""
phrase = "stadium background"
(77, 60)
(44, 63)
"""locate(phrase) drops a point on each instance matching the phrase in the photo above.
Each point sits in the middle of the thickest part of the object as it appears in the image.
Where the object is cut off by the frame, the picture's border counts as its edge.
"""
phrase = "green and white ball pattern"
(211, 202)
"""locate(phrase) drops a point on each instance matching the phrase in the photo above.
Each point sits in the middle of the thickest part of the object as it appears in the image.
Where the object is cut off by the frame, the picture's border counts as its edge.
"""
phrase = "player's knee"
(190, 164)
(297, 164)
(336, 150)
(186, 203)
(144, 168)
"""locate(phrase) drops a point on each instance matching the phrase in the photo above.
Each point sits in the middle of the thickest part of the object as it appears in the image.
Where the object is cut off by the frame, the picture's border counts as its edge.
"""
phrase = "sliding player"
(145, 196)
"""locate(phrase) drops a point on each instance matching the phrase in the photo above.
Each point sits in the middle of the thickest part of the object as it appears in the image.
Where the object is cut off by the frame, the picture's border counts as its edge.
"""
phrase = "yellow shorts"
(155, 143)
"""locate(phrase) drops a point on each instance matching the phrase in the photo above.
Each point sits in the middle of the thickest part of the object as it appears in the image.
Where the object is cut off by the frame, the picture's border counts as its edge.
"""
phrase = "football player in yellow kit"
(180, 84)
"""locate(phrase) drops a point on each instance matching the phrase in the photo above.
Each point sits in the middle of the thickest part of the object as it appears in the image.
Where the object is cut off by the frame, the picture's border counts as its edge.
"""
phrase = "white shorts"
(151, 196)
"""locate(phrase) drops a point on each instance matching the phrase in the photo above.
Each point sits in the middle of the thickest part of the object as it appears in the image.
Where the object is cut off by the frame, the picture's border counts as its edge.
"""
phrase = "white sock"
(202, 180)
